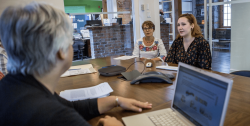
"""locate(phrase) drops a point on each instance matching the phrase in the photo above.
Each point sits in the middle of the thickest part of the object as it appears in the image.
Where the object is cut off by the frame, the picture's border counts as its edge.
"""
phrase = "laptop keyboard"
(166, 119)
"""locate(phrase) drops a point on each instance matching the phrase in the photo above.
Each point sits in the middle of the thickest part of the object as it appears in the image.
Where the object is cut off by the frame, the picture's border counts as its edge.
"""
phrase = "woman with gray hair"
(38, 41)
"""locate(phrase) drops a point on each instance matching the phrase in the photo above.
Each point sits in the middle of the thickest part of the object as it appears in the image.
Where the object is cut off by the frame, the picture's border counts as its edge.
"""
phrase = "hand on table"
(132, 104)
(109, 121)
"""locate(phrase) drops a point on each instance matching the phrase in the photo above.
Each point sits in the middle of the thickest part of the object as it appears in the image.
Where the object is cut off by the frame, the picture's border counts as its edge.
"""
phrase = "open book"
(98, 91)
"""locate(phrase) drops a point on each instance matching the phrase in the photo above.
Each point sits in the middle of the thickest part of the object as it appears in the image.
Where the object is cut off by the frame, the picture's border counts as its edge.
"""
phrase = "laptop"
(200, 98)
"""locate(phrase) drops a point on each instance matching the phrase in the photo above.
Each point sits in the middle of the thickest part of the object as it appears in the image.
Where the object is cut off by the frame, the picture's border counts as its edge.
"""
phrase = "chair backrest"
(78, 47)
(81, 46)
(242, 73)
(228, 34)
(75, 46)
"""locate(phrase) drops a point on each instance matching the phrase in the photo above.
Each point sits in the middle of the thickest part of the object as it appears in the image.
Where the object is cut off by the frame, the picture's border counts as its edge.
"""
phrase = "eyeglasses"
(145, 29)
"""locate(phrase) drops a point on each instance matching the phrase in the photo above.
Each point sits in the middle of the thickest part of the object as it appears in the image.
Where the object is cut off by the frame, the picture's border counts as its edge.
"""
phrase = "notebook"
(200, 98)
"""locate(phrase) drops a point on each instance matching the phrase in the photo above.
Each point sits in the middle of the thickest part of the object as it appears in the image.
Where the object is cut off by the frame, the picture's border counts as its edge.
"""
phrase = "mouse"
(149, 64)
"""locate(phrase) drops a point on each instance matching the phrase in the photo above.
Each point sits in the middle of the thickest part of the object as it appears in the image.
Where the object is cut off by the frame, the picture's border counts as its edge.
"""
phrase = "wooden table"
(159, 94)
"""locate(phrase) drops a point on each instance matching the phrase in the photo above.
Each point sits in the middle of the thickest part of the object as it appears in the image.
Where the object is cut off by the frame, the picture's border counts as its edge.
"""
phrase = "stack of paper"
(167, 67)
(125, 57)
(101, 90)
(85, 33)
(77, 70)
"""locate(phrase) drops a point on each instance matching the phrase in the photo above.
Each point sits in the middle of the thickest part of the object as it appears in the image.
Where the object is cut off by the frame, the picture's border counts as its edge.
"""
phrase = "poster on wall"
(80, 22)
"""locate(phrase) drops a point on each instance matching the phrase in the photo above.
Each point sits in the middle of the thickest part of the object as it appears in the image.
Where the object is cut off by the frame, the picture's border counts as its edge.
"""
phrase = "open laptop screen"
(200, 98)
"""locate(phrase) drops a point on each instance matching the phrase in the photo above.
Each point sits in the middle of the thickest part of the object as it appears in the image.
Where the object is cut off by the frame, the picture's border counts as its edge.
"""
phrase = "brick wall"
(124, 5)
(111, 40)
(165, 35)
(108, 41)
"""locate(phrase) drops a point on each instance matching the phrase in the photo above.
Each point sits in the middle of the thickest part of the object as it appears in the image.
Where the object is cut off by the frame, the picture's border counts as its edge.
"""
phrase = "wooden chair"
(81, 54)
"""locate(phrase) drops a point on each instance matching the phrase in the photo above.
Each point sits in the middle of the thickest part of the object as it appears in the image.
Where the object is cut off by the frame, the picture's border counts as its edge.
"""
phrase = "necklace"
(150, 41)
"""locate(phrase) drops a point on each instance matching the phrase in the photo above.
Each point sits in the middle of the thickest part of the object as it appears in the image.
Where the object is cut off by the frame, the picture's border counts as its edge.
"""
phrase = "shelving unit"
(172, 23)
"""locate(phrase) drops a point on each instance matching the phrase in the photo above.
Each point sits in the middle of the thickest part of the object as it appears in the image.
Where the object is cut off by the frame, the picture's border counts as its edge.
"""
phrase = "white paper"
(114, 20)
(77, 70)
(167, 67)
(65, 74)
(106, 21)
(73, 72)
(85, 33)
(75, 25)
(92, 70)
(125, 57)
(84, 71)
(168, 20)
(98, 91)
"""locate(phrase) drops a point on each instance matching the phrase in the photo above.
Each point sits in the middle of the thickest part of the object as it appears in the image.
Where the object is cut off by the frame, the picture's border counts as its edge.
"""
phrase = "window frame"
(221, 20)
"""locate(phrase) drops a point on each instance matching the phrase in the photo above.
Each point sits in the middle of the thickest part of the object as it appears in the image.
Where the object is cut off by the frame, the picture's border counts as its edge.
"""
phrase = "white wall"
(240, 32)
(5, 3)
(140, 16)
(111, 7)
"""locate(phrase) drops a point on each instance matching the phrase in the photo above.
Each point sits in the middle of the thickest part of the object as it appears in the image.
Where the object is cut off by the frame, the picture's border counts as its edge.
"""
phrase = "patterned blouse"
(198, 53)
(157, 49)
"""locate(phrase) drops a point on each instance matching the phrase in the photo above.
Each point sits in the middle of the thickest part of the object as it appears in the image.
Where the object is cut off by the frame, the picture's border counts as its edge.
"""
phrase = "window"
(227, 14)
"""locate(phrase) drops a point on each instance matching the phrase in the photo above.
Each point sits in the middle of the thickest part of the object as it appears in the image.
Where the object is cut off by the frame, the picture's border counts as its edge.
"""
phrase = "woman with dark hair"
(190, 47)
(149, 47)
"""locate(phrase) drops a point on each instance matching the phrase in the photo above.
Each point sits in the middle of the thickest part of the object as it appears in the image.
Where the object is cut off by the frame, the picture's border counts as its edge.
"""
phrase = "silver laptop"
(200, 98)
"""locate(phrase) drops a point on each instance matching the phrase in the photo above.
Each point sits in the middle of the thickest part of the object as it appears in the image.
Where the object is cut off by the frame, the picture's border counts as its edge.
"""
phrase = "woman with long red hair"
(190, 47)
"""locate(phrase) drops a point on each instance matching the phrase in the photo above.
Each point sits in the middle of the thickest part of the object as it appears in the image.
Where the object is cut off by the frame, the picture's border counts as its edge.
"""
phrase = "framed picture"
(202, 12)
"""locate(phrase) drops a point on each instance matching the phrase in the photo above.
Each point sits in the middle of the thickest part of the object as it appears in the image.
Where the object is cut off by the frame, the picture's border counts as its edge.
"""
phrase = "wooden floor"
(221, 61)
